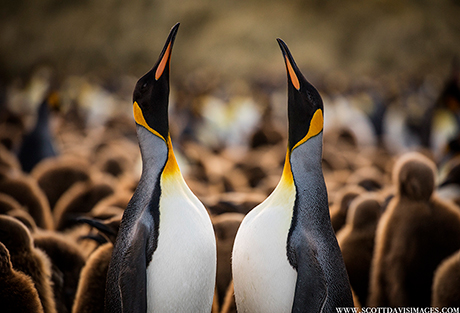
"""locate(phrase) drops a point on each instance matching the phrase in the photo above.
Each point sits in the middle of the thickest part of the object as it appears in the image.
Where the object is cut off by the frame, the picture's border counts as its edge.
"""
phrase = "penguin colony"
(102, 218)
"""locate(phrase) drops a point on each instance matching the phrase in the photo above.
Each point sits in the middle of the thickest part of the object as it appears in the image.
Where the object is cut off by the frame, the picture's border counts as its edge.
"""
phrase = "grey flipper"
(132, 282)
(127, 276)
(311, 281)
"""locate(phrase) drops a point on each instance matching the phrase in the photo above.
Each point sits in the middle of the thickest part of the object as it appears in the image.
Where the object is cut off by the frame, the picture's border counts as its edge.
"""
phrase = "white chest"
(263, 278)
(181, 275)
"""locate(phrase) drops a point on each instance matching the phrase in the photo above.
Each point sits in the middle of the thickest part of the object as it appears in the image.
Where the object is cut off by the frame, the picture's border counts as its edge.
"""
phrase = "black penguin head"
(151, 93)
(305, 106)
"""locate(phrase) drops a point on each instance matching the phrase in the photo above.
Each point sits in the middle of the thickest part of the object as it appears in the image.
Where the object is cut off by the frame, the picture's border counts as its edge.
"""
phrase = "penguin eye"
(144, 85)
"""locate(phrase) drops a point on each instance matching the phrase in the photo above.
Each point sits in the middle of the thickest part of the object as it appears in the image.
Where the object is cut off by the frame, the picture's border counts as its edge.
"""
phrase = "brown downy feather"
(28, 259)
(26, 191)
(416, 232)
(17, 290)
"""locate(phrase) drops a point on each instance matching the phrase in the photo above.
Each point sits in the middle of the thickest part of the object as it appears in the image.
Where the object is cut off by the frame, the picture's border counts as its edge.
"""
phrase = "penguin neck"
(158, 159)
(308, 179)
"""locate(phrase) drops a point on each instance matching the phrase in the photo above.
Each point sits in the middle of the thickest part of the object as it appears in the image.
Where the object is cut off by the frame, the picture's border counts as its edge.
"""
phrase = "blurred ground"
(235, 39)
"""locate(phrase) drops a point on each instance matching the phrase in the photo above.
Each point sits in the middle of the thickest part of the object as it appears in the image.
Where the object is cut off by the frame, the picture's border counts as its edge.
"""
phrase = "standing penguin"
(39, 143)
(285, 256)
(164, 258)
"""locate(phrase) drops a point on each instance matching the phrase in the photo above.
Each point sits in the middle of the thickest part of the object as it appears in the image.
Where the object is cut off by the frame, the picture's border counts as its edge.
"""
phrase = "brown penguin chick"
(339, 209)
(225, 227)
(368, 177)
(356, 241)
(56, 175)
(67, 262)
(17, 290)
(415, 233)
(115, 158)
(119, 200)
(26, 191)
(9, 206)
(91, 287)
(28, 259)
(8, 203)
(446, 283)
(79, 200)
(24, 218)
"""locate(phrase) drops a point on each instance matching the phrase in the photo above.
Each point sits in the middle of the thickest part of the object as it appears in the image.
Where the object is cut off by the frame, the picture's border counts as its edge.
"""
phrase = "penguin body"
(38, 144)
(28, 259)
(91, 286)
(67, 262)
(446, 283)
(164, 257)
(28, 194)
(285, 256)
(356, 241)
(415, 233)
(56, 175)
(17, 291)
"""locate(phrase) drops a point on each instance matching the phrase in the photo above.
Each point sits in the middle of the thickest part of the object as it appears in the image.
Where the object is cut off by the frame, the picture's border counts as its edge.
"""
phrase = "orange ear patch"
(316, 126)
(294, 79)
(162, 65)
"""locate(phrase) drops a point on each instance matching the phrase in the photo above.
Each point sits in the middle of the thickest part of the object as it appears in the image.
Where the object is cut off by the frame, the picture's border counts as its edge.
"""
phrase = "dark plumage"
(356, 240)
(27, 259)
(446, 283)
(17, 291)
(38, 143)
(416, 232)
(67, 262)
(25, 190)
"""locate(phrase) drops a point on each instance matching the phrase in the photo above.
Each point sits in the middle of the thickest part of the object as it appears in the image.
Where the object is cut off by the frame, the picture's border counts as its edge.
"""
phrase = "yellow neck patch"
(162, 65)
(171, 167)
(139, 118)
(316, 126)
(286, 177)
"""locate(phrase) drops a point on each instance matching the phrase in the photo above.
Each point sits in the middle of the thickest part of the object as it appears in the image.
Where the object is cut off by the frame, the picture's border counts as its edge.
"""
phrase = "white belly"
(263, 278)
(181, 275)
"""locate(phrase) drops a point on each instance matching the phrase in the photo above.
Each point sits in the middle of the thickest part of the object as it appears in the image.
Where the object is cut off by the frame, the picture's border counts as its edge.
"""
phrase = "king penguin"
(286, 257)
(164, 257)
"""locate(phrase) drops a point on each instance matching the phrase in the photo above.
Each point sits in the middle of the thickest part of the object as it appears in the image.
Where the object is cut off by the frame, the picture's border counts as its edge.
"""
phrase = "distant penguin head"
(151, 94)
(364, 211)
(305, 106)
(414, 176)
(14, 234)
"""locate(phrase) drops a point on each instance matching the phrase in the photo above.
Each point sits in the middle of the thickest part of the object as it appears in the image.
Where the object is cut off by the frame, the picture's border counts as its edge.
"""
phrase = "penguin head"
(305, 106)
(151, 94)
(414, 175)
